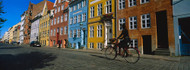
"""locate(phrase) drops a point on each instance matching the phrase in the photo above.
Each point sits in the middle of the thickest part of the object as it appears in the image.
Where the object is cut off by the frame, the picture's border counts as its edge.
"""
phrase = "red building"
(149, 23)
(59, 24)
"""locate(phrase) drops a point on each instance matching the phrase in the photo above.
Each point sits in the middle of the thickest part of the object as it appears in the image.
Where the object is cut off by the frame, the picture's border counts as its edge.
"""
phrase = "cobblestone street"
(44, 58)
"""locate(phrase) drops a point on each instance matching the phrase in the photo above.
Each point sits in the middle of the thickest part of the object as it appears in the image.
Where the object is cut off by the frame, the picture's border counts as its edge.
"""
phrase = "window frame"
(133, 3)
(92, 12)
(99, 11)
(99, 31)
(133, 22)
(145, 19)
(121, 4)
(121, 23)
(91, 31)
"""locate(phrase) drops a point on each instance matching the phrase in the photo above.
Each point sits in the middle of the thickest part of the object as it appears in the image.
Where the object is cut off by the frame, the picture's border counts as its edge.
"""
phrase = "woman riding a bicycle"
(130, 54)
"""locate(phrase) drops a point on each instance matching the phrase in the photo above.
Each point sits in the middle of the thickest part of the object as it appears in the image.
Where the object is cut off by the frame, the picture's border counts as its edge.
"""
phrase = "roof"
(50, 5)
(37, 8)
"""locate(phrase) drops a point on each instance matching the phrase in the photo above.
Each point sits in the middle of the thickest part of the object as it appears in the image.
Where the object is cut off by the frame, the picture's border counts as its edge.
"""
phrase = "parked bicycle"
(130, 54)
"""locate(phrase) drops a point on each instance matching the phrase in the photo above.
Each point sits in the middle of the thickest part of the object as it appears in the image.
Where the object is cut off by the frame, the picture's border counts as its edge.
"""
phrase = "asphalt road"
(43, 58)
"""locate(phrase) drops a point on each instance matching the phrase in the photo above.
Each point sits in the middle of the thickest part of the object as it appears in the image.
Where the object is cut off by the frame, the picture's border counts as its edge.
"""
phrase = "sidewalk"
(157, 57)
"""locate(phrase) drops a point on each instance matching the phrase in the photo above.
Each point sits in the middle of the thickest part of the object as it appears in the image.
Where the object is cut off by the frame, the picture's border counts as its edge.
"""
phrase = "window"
(52, 22)
(54, 32)
(132, 22)
(55, 21)
(65, 17)
(71, 20)
(70, 33)
(121, 4)
(144, 1)
(134, 43)
(62, 7)
(78, 34)
(75, 7)
(48, 33)
(91, 45)
(65, 30)
(71, 9)
(53, 42)
(51, 32)
(79, 18)
(91, 31)
(92, 12)
(58, 20)
(83, 16)
(57, 30)
(61, 31)
(121, 23)
(99, 9)
(79, 5)
(46, 23)
(84, 3)
(58, 9)
(61, 18)
(132, 3)
(75, 20)
(100, 45)
(74, 33)
(99, 32)
(108, 6)
(145, 21)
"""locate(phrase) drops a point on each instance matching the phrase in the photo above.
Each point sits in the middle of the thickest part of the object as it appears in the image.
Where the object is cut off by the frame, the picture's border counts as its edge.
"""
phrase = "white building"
(22, 28)
(35, 28)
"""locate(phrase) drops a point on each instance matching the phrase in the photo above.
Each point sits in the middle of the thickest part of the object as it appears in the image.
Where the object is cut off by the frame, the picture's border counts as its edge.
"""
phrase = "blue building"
(77, 26)
(181, 17)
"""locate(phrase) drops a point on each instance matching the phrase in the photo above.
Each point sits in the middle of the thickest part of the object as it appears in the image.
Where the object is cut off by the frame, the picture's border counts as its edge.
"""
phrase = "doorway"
(147, 44)
(184, 24)
(109, 31)
(162, 29)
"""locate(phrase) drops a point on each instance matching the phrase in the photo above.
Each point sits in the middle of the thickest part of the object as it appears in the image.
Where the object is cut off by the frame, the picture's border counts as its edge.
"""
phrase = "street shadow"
(26, 61)
(103, 57)
(10, 47)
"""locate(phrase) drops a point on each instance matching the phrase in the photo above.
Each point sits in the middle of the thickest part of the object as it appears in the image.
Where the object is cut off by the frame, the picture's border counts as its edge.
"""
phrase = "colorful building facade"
(59, 24)
(101, 23)
(181, 20)
(149, 23)
(44, 26)
(77, 32)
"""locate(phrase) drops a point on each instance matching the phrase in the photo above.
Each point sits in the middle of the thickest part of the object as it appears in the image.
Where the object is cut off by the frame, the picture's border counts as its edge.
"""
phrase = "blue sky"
(13, 9)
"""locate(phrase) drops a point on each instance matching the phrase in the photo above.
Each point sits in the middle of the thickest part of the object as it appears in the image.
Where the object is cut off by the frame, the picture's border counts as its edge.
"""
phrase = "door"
(184, 33)
(147, 44)
(162, 29)
(109, 32)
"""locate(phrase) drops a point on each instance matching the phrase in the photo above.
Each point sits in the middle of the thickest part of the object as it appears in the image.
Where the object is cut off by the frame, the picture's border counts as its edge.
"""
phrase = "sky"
(14, 9)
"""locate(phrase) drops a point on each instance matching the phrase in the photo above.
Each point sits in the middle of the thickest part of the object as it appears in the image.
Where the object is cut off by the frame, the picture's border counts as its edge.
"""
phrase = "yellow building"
(44, 26)
(101, 23)
(11, 33)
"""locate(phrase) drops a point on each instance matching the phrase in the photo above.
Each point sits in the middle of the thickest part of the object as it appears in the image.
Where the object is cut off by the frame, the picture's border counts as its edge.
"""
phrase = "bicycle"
(130, 54)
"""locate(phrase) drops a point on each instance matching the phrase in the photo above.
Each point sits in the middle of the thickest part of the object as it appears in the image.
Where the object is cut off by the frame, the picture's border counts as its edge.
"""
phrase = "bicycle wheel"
(111, 53)
(132, 55)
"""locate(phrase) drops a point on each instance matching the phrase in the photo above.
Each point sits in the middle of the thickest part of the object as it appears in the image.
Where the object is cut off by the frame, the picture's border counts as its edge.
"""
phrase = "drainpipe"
(87, 25)
(115, 18)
